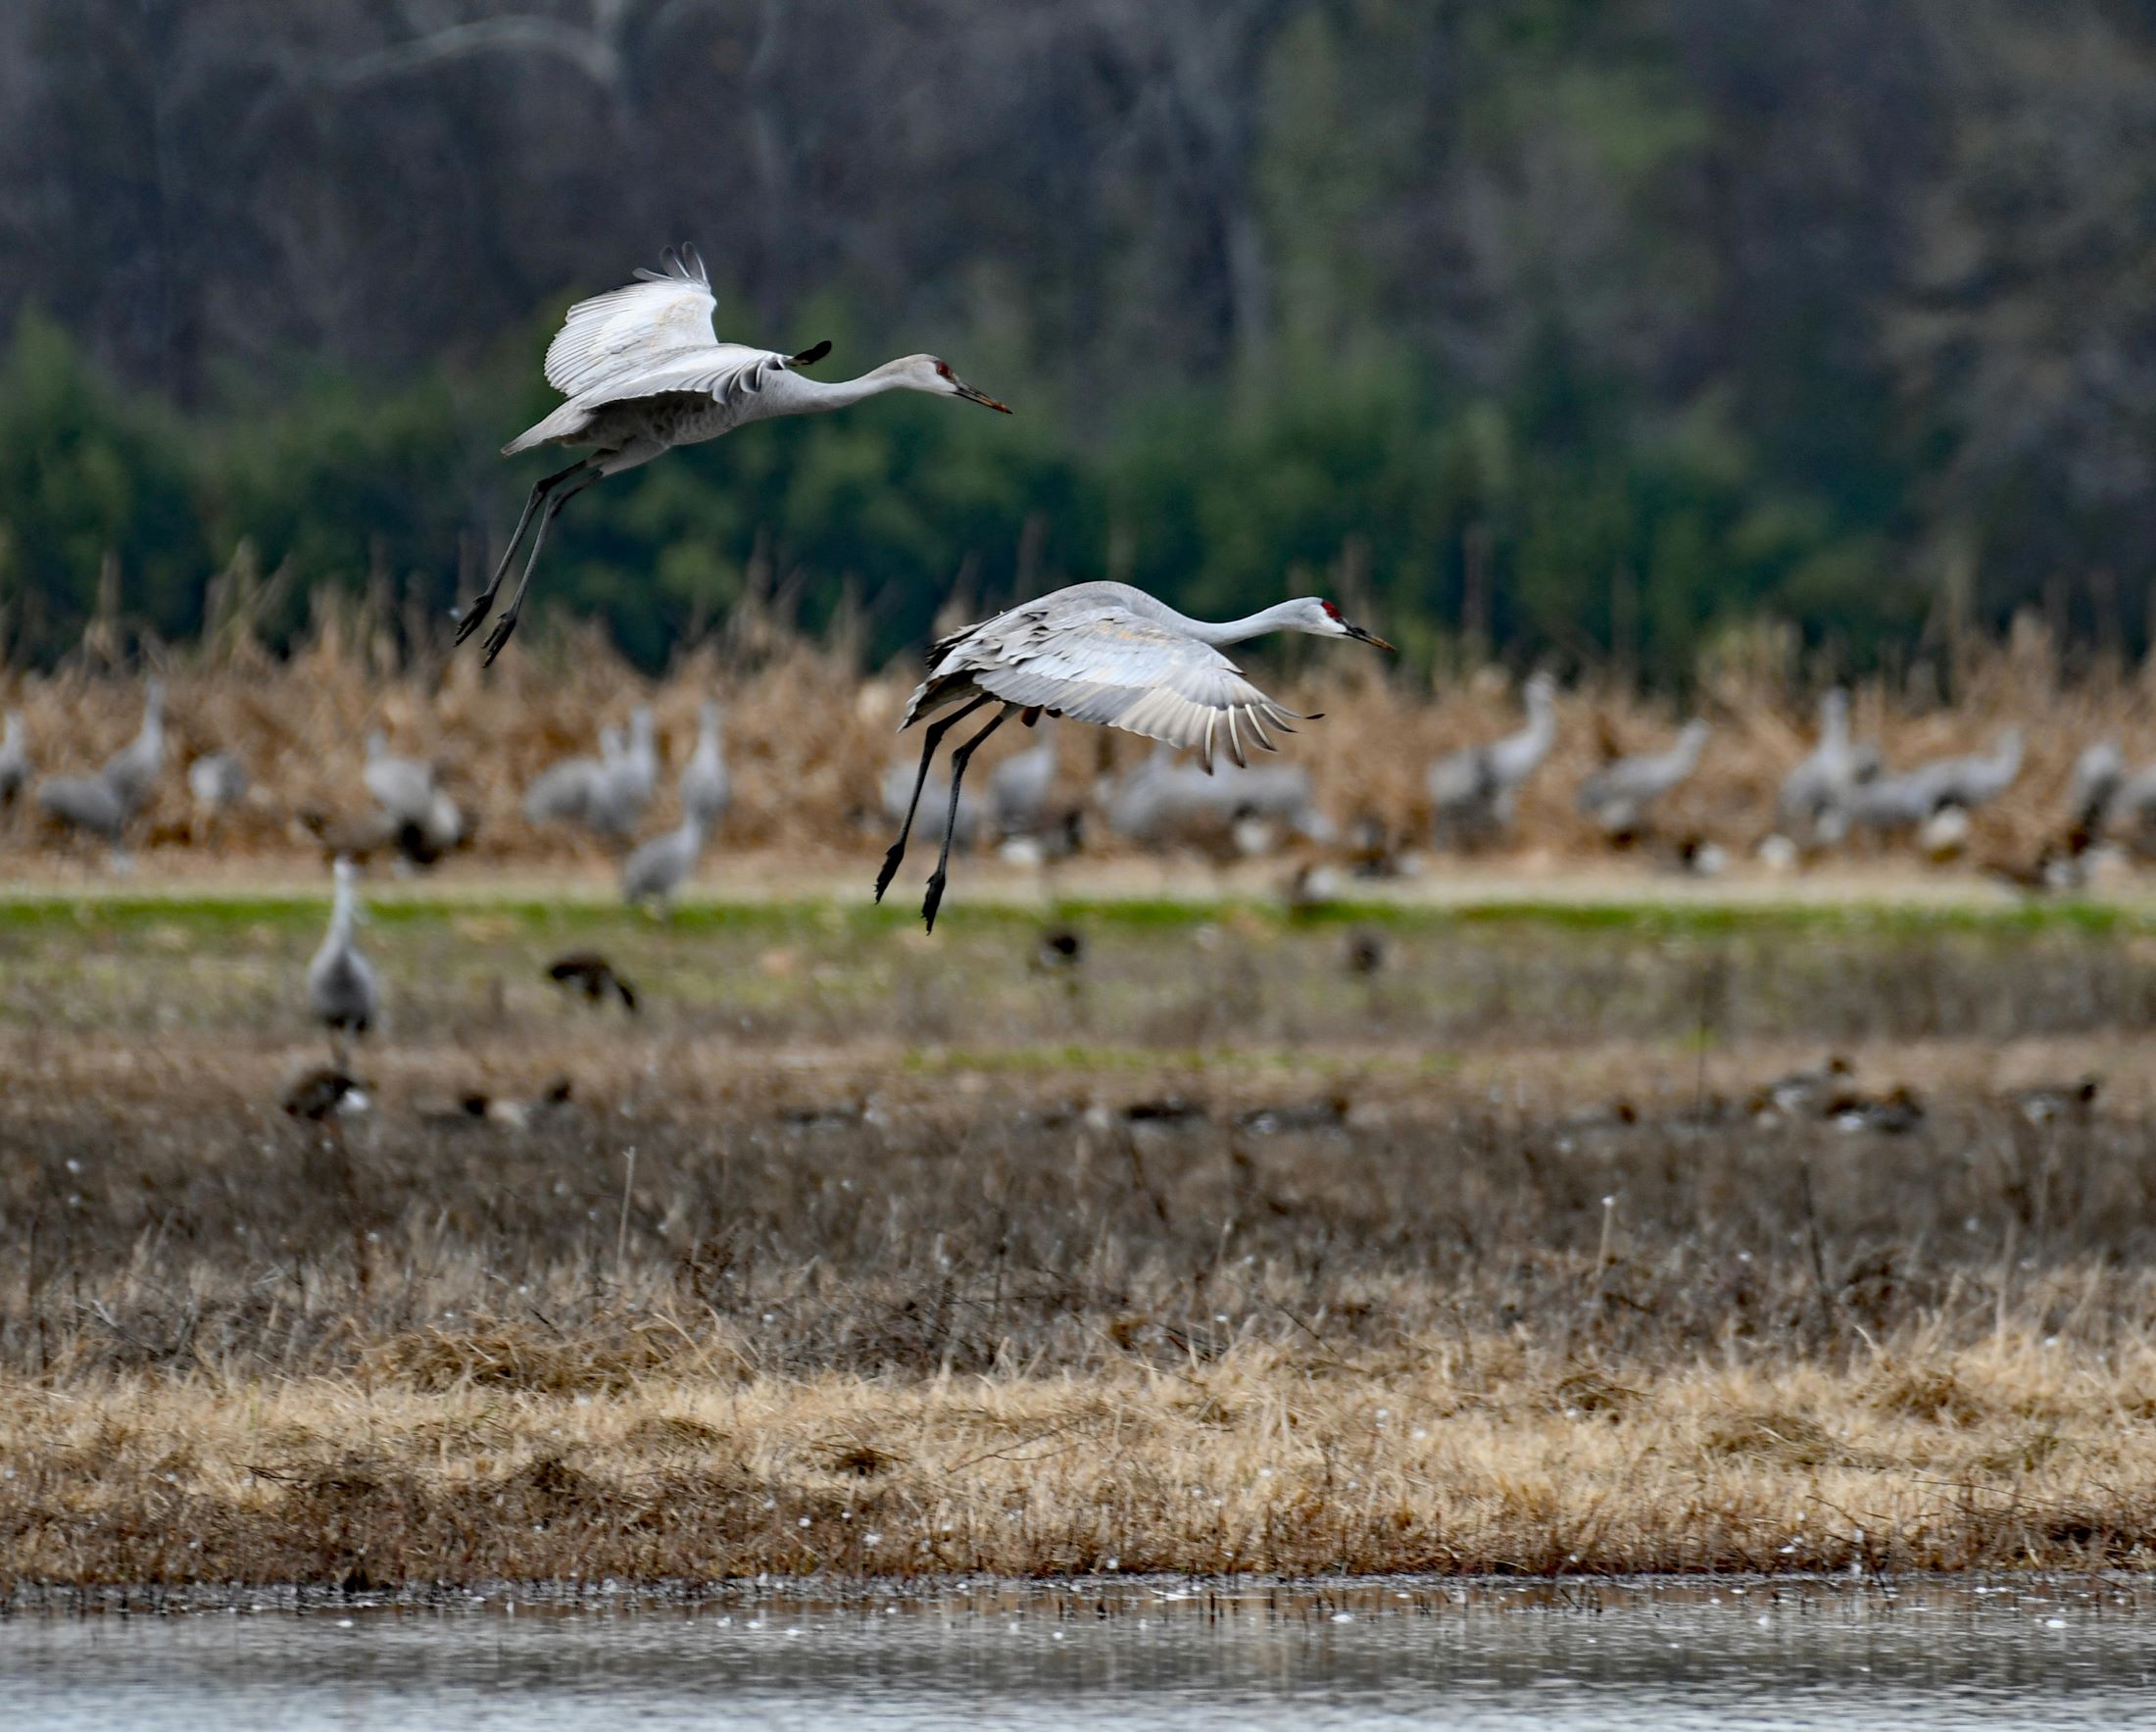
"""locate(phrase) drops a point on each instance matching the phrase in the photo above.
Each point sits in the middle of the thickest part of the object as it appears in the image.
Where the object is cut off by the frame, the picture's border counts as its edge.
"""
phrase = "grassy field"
(858, 1252)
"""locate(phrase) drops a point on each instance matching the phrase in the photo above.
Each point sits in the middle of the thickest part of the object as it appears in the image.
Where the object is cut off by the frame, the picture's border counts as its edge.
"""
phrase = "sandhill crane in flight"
(644, 372)
(1103, 652)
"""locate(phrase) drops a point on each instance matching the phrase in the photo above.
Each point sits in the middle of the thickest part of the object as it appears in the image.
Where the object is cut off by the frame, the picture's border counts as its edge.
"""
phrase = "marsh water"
(1652, 1653)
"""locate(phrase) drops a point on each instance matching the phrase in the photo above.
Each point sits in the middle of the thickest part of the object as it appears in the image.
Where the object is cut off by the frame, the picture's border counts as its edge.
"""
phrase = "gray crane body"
(342, 992)
(706, 787)
(1815, 795)
(1618, 795)
(563, 791)
(1018, 790)
(658, 868)
(1475, 790)
(84, 803)
(15, 760)
(217, 780)
(627, 779)
(407, 792)
(131, 772)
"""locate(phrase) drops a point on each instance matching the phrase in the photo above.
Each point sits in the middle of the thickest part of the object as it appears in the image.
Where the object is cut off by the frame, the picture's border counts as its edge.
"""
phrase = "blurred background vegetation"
(1601, 331)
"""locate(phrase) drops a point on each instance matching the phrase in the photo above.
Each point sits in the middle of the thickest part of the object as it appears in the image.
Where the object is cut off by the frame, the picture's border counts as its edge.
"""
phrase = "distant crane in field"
(217, 781)
(1616, 796)
(1816, 795)
(86, 803)
(1104, 653)
(132, 771)
(644, 372)
(662, 866)
(1475, 789)
(564, 789)
(706, 788)
(342, 992)
(425, 818)
(627, 781)
(15, 760)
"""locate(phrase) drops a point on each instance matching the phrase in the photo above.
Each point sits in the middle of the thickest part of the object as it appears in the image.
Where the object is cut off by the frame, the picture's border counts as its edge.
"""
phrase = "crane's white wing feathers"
(661, 314)
(750, 383)
(1109, 667)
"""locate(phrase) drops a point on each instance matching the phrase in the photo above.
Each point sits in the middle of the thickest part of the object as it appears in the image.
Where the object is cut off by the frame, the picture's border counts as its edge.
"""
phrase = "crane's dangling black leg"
(929, 743)
(958, 761)
(468, 622)
(507, 623)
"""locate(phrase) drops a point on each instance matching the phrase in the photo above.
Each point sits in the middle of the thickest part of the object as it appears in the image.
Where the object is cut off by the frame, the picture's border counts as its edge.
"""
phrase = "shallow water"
(1664, 1654)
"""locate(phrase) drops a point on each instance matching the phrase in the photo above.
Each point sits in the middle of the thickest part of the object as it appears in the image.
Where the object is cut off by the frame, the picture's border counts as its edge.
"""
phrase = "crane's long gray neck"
(1280, 617)
(342, 914)
(838, 393)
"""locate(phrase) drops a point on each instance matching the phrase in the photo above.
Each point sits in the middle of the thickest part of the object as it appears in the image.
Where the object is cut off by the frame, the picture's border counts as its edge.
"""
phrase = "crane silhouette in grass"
(644, 372)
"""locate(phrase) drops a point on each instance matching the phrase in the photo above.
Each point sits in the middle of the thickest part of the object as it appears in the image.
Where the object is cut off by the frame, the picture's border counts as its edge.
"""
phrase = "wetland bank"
(857, 1256)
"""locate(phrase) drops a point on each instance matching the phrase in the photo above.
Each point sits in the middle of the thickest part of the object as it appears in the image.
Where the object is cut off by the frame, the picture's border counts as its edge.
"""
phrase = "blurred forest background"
(1597, 329)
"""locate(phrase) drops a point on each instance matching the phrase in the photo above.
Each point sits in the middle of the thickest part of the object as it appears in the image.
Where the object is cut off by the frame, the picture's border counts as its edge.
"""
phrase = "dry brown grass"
(1480, 1263)
(809, 738)
(1000, 1325)
(1456, 1453)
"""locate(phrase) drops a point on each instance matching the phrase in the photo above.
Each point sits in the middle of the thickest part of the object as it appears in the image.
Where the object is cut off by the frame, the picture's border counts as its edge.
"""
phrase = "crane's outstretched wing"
(661, 312)
(1107, 665)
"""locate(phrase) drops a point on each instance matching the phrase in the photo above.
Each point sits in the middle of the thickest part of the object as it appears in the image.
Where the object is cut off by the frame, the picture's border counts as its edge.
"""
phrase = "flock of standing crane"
(1034, 811)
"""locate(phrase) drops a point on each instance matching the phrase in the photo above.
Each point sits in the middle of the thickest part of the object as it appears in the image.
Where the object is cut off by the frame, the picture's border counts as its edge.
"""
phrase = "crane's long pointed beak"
(1369, 637)
(983, 399)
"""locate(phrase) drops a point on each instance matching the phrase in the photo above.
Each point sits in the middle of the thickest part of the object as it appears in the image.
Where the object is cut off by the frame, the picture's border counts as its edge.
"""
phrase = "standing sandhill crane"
(626, 781)
(563, 791)
(1103, 652)
(1815, 795)
(1474, 790)
(1945, 789)
(1019, 789)
(644, 372)
(2130, 813)
(2099, 772)
(706, 788)
(426, 818)
(656, 870)
(1162, 802)
(342, 992)
(131, 771)
(15, 760)
(1977, 778)
(217, 781)
(86, 803)
(1616, 796)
